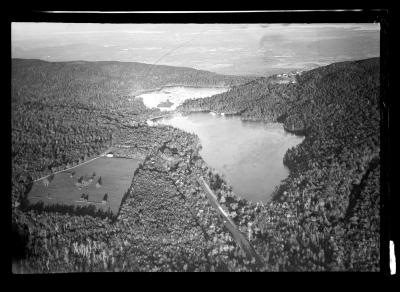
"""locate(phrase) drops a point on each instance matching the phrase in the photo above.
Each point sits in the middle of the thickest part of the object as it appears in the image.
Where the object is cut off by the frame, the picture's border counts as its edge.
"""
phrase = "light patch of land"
(177, 95)
(67, 188)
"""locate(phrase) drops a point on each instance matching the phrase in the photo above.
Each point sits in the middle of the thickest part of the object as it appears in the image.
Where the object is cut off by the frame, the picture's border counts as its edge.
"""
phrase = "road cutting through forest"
(230, 225)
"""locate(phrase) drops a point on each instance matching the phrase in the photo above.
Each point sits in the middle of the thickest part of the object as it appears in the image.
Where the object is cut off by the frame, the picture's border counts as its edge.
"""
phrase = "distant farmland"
(111, 176)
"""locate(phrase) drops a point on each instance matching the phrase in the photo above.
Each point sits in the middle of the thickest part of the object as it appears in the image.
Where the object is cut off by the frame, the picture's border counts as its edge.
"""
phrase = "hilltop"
(325, 216)
(66, 112)
(122, 78)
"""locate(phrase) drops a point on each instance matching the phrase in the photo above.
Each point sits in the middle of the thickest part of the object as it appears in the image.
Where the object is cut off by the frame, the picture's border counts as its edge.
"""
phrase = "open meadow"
(111, 176)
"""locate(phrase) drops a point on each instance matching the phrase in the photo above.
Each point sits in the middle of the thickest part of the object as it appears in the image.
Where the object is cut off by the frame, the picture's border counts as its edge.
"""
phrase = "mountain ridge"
(324, 217)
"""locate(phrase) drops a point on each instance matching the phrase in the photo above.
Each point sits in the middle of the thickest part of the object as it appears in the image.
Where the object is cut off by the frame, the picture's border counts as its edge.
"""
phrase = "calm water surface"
(249, 154)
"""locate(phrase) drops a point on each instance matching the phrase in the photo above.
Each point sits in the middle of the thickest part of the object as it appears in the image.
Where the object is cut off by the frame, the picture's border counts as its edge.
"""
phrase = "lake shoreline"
(176, 95)
(297, 132)
(140, 92)
(223, 139)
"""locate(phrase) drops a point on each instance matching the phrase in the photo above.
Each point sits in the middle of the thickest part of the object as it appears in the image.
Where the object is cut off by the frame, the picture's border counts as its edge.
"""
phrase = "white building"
(150, 123)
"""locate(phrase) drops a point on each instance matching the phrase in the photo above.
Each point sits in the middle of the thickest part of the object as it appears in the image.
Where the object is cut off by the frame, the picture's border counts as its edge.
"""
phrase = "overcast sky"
(258, 49)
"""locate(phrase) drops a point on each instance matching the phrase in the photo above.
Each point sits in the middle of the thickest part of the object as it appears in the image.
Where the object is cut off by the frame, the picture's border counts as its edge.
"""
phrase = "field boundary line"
(101, 155)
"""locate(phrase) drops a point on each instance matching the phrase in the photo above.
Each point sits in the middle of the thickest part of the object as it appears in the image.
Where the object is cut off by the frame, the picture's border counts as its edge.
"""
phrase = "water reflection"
(249, 154)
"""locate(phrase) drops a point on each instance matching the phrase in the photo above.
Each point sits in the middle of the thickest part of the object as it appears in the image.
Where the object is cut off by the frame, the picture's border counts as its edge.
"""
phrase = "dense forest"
(324, 216)
(164, 223)
(66, 112)
(327, 210)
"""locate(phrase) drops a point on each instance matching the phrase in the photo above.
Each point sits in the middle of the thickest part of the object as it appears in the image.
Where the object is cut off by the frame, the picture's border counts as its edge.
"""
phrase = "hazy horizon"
(238, 49)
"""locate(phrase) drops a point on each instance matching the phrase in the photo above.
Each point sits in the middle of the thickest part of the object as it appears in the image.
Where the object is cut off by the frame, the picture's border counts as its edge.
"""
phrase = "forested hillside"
(325, 216)
(92, 82)
(65, 112)
(165, 222)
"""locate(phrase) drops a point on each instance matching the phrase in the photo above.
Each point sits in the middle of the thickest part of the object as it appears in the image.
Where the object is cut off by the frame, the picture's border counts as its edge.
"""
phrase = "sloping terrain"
(63, 113)
(325, 216)
(165, 222)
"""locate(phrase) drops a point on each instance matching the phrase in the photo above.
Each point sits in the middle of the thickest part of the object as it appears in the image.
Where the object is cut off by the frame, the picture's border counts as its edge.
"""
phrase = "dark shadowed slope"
(325, 216)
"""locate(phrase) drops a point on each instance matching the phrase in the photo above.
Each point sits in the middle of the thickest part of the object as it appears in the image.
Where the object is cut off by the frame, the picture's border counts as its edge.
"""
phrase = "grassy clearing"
(111, 176)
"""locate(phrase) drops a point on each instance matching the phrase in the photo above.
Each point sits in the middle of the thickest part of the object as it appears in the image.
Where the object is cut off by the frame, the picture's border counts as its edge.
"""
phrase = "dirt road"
(230, 225)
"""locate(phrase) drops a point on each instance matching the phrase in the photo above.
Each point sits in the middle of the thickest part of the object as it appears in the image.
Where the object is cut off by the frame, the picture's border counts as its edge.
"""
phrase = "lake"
(177, 95)
(249, 154)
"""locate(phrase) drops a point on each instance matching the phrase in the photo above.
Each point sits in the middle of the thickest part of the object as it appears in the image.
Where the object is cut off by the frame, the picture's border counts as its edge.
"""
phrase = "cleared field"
(111, 176)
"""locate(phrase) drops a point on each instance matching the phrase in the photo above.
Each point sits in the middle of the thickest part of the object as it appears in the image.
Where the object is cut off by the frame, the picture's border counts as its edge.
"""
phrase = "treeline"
(90, 210)
(165, 223)
(64, 113)
(90, 82)
(325, 216)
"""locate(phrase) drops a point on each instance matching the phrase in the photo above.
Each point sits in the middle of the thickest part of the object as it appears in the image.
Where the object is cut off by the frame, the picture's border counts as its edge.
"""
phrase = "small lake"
(249, 154)
(176, 95)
